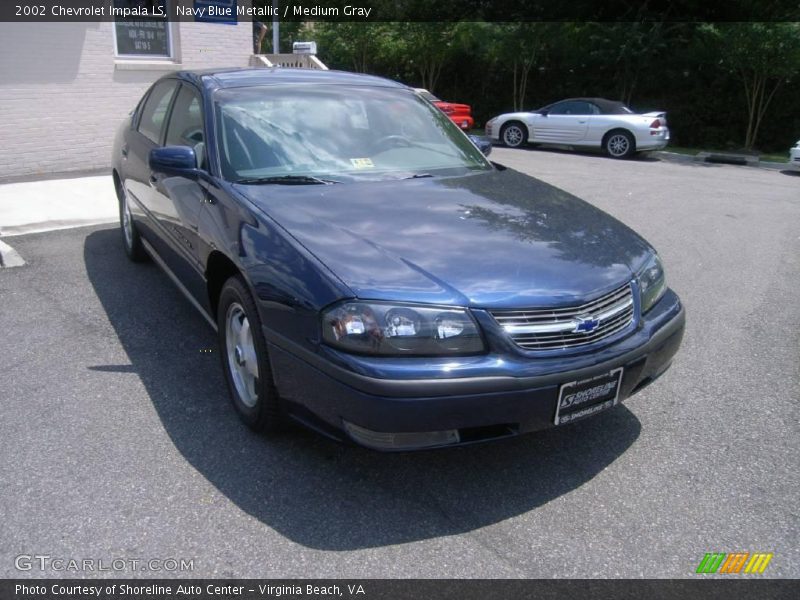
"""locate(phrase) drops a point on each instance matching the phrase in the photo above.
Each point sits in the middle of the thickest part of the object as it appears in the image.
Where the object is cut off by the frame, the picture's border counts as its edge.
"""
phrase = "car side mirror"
(175, 160)
(544, 112)
(484, 144)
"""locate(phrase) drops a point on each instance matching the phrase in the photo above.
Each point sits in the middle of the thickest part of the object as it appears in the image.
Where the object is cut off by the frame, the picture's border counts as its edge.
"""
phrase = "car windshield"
(336, 133)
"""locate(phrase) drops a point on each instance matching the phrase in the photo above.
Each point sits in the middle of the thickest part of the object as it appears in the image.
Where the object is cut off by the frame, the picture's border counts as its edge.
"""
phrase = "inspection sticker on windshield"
(362, 163)
(580, 399)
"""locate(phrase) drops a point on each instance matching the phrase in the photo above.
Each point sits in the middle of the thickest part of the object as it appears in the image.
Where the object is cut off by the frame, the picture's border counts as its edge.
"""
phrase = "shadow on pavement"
(589, 153)
(311, 490)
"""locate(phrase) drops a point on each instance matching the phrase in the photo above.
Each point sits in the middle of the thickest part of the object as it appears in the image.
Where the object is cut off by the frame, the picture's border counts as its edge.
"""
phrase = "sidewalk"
(36, 206)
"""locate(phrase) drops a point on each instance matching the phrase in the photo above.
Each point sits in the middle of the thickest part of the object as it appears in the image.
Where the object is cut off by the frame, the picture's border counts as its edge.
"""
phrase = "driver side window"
(572, 107)
(186, 124)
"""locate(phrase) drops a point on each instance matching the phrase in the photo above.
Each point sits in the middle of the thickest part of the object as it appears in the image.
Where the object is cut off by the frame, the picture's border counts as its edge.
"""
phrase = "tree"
(763, 56)
(628, 48)
(522, 46)
(355, 46)
(427, 47)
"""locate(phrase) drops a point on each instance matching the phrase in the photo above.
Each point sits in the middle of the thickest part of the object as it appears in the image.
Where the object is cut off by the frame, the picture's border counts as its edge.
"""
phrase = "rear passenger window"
(154, 112)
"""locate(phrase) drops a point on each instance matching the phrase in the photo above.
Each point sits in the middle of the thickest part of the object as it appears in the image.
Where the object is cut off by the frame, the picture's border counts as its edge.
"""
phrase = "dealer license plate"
(579, 399)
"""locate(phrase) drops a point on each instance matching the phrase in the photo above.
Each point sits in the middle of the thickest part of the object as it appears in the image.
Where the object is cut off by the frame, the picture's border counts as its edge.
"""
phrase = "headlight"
(400, 330)
(652, 282)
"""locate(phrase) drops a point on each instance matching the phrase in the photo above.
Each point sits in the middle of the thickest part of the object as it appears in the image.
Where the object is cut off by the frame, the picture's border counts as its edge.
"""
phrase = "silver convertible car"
(794, 156)
(583, 123)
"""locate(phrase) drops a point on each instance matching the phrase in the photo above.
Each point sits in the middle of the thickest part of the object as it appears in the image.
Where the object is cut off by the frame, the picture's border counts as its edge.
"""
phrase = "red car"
(460, 114)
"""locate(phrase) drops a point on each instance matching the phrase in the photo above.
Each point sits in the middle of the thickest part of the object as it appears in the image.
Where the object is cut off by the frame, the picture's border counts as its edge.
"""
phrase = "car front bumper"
(361, 403)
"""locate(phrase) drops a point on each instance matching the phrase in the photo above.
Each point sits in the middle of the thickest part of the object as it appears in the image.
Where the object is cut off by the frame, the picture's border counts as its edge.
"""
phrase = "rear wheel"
(131, 239)
(619, 144)
(514, 134)
(245, 360)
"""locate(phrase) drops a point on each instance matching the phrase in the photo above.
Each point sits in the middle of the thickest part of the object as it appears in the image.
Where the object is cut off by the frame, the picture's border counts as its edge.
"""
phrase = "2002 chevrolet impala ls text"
(371, 274)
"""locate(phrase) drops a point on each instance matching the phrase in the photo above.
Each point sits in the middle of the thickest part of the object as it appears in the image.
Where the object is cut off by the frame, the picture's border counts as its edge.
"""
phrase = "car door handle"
(581, 122)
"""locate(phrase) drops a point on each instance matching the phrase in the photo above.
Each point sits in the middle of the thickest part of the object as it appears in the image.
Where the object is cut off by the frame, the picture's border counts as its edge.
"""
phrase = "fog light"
(379, 440)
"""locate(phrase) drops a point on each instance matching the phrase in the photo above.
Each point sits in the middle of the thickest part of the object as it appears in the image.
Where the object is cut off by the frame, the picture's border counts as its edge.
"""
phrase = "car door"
(146, 133)
(563, 122)
(177, 201)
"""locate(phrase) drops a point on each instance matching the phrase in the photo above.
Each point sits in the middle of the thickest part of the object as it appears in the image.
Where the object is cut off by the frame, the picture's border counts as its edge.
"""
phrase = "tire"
(131, 239)
(245, 360)
(514, 134)
(619, 144)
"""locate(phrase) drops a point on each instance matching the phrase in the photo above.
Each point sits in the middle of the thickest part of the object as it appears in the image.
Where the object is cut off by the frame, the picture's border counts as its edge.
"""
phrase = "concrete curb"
(9, 257)
(53, 225)
(689, 158)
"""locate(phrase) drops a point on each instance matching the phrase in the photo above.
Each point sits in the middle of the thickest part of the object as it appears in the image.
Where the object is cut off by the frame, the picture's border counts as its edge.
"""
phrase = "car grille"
(569, 327)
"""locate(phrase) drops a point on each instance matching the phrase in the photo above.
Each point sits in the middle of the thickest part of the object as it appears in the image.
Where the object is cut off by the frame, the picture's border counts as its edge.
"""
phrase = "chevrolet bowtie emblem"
(585, 325)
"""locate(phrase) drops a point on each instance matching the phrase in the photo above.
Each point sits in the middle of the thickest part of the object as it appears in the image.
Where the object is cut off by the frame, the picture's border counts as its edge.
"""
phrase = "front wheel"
(514, 134)
(245, 360)
(619, 144)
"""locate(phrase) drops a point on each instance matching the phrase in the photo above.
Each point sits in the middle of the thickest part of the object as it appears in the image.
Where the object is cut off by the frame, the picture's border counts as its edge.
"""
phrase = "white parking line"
(9, 257)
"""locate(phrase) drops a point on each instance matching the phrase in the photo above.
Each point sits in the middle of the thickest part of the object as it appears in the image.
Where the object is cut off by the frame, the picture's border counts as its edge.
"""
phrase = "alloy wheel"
(241, 354)
(512, 136)
(618, 145)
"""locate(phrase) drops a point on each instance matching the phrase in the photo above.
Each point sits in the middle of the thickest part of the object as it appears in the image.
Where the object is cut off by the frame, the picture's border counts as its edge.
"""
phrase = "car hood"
(493, 239)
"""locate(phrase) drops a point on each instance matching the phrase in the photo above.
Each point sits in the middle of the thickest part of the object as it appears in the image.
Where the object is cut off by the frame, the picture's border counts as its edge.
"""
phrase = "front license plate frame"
(593, 395)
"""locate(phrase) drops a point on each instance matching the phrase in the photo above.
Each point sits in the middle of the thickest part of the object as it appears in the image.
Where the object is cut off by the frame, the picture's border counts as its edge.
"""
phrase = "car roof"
(255, 76)
(606, 106)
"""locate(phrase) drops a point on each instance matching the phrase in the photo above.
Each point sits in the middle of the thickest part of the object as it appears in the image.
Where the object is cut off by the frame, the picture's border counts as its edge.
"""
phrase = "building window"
(137, 37)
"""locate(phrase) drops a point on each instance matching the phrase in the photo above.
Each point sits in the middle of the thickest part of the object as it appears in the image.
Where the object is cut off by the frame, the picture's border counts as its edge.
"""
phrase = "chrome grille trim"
(558, 328)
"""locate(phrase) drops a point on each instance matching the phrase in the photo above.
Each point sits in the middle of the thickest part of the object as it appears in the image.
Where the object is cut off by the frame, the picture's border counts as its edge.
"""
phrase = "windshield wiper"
(418, 176)
(287, 180)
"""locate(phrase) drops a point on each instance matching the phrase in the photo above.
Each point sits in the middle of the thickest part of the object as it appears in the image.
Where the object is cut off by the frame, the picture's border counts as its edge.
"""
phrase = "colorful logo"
(720, 562)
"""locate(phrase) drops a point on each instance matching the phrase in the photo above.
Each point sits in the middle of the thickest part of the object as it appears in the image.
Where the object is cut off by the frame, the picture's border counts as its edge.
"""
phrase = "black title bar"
(700, 588)
(402, 10)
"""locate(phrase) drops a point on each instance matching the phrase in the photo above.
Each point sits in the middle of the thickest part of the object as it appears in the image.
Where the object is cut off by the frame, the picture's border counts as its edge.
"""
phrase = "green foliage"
(699, 73)
(355, 46)
(762, 56)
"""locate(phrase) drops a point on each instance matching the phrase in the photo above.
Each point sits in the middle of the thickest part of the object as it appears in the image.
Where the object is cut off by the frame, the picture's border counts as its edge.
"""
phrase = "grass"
(778, 158)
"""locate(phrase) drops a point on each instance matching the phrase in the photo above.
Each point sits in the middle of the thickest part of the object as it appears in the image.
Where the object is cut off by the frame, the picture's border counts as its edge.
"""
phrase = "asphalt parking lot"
(117, 439)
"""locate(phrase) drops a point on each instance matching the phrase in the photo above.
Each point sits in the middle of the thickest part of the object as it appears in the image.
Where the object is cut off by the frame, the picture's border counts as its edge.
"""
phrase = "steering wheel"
(391, 141)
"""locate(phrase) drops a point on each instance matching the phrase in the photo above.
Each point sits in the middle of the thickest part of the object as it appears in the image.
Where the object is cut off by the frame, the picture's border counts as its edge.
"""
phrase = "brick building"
(65, 87)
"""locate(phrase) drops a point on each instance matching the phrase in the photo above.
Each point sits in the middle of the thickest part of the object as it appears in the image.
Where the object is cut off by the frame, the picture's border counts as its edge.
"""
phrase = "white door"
(564, 122)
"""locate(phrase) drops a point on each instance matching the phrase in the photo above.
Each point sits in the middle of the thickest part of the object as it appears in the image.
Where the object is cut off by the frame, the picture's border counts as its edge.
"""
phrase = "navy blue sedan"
(372, 274)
